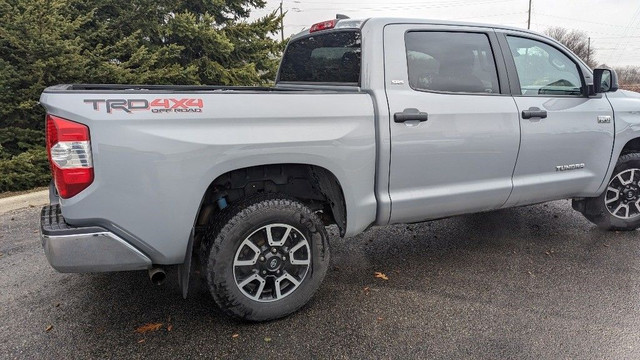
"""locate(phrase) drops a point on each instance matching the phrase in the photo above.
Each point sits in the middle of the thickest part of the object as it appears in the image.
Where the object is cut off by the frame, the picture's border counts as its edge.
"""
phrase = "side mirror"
(605, 80)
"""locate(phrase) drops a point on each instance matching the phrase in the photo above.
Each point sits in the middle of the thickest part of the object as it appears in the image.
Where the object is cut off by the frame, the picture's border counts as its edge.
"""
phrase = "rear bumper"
(85, 249)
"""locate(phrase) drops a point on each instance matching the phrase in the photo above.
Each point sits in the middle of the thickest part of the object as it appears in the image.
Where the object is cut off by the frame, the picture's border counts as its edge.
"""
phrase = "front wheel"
(265, 257)
(618, 207)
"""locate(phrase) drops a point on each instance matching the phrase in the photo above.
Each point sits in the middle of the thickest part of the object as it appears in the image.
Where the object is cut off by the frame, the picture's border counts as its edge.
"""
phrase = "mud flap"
(578, 205)
(184, 270)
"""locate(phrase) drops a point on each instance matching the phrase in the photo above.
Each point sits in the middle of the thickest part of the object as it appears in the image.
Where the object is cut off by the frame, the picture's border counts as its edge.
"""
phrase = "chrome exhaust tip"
(157, 275)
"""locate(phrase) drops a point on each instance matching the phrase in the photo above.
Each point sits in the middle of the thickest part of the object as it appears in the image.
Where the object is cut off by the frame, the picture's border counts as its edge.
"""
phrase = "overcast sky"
(614, 25)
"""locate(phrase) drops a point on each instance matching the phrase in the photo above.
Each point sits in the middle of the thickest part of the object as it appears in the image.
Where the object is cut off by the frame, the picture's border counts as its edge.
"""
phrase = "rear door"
(454, 126)
(567, 137)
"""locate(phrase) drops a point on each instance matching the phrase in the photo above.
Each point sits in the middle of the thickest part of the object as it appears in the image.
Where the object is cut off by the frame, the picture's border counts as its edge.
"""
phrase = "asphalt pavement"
(536, 282)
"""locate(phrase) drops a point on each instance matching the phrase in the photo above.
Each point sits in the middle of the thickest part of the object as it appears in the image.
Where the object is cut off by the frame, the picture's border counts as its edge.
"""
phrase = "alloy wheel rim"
(622, 198)
(272, 262)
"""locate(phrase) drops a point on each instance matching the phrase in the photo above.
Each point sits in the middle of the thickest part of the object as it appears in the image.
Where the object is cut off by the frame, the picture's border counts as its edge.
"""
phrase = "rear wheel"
(618, 207)
(265, 257)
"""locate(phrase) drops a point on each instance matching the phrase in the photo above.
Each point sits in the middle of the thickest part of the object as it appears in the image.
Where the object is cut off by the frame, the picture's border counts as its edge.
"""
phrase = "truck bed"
(157, 148)
(127, 89)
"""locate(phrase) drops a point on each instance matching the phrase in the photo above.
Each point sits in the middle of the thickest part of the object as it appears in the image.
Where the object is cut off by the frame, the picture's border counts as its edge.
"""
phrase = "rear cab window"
(456, 62)
(323, 58)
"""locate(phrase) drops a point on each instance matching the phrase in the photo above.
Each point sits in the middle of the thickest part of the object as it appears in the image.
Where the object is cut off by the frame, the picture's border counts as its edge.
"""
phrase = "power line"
(418, 3)
(617, 37)
(626, 30)
(400, 6)
(531, 16)
(579, 20)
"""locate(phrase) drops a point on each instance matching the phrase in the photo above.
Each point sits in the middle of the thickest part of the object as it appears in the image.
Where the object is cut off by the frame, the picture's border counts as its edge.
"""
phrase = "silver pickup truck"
(371, 122)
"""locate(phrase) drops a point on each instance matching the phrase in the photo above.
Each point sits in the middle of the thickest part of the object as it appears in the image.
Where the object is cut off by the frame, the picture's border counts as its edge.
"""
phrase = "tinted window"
(543, 70)
(325, 58)
(452, 62)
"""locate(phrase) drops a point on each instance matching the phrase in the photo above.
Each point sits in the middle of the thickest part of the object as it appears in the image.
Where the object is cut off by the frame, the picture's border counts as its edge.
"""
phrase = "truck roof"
(383, 21)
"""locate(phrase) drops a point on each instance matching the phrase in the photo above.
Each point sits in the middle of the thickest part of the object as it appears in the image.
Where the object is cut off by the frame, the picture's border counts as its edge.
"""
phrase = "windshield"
(324, 58)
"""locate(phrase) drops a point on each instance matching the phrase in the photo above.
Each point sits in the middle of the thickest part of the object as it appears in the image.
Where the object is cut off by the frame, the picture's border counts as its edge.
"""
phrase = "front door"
(454, 126)
(567, 137)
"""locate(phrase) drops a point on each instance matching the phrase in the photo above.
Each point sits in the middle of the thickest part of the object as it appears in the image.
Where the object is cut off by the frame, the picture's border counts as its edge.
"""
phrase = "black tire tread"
(595, 210)
(218, 234)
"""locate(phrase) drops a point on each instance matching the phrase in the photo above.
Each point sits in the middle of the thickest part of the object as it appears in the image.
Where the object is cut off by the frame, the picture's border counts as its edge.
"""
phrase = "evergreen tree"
(48, 42)
(38, 48)
(180, 42)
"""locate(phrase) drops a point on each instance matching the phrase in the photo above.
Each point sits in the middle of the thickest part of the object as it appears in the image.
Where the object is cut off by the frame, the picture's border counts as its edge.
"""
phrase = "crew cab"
(370, 122)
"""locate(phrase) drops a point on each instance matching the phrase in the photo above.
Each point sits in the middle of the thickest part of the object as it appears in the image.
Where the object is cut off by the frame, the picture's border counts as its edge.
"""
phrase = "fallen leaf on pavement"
(140, 341)
(57, 305)
(380, 275)
(267, 339)
(235, 336)
(49, 327)
(169, 324)
(149, 328)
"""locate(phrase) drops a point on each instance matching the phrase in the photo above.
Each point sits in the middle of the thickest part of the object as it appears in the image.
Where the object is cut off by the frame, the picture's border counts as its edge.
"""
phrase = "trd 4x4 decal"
(161, 105)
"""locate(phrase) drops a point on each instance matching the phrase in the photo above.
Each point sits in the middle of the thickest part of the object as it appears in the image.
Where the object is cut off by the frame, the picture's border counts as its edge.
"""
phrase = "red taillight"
(69, 149)
(325, 25)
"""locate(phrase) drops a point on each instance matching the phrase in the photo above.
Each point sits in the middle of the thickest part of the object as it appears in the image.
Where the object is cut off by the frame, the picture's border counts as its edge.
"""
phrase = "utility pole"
(529, 19)
(281, 22)
(589, 51)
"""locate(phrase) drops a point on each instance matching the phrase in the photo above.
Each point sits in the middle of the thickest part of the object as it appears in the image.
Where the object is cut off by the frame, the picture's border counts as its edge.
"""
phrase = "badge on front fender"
(604, 119)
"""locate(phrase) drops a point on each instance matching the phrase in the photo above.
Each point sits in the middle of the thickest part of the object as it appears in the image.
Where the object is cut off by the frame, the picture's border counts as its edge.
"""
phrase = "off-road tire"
(226, 234)
(595, 209)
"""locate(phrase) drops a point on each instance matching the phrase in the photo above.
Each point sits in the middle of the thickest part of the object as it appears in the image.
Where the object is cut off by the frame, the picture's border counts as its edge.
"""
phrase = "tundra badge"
(569, 167)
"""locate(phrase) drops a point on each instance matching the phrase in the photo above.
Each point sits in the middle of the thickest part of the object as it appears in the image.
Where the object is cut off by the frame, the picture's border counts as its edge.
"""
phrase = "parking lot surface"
(536, 282)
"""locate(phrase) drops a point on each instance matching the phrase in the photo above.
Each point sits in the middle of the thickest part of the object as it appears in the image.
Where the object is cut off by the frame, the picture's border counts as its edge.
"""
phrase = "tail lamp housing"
(325, 25)
(69, 149)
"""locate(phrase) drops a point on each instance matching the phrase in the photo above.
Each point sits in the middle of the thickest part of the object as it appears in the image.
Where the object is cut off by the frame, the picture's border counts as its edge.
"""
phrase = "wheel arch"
(631, 146)
(314, 185)
(326, 189)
